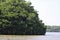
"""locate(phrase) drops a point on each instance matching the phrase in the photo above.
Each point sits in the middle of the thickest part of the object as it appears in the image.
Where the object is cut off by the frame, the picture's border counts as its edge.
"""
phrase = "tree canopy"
(19, 17)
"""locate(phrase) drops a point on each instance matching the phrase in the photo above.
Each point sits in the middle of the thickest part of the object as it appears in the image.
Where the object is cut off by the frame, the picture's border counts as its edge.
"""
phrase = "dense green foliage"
(53, 28)
(19, 17)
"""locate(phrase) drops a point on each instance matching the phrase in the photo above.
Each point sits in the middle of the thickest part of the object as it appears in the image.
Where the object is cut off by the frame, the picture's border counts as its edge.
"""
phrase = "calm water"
(52, 34)
(48, 36)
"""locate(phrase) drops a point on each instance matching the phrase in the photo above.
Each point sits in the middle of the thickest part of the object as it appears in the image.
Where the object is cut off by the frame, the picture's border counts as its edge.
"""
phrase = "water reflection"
(52, 33)
(48, 36)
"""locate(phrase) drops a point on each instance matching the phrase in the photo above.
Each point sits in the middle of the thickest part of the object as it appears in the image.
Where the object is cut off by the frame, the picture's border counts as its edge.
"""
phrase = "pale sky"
(48, 10)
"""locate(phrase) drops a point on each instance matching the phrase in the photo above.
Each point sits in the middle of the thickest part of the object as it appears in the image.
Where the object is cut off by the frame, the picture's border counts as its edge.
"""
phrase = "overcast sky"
(49, 11)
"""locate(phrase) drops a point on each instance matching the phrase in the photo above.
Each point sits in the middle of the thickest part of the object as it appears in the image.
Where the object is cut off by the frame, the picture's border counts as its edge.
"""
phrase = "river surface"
(48, 36)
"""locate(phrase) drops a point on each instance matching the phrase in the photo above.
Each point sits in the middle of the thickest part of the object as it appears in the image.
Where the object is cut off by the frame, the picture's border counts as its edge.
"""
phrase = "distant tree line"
(53, 28)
